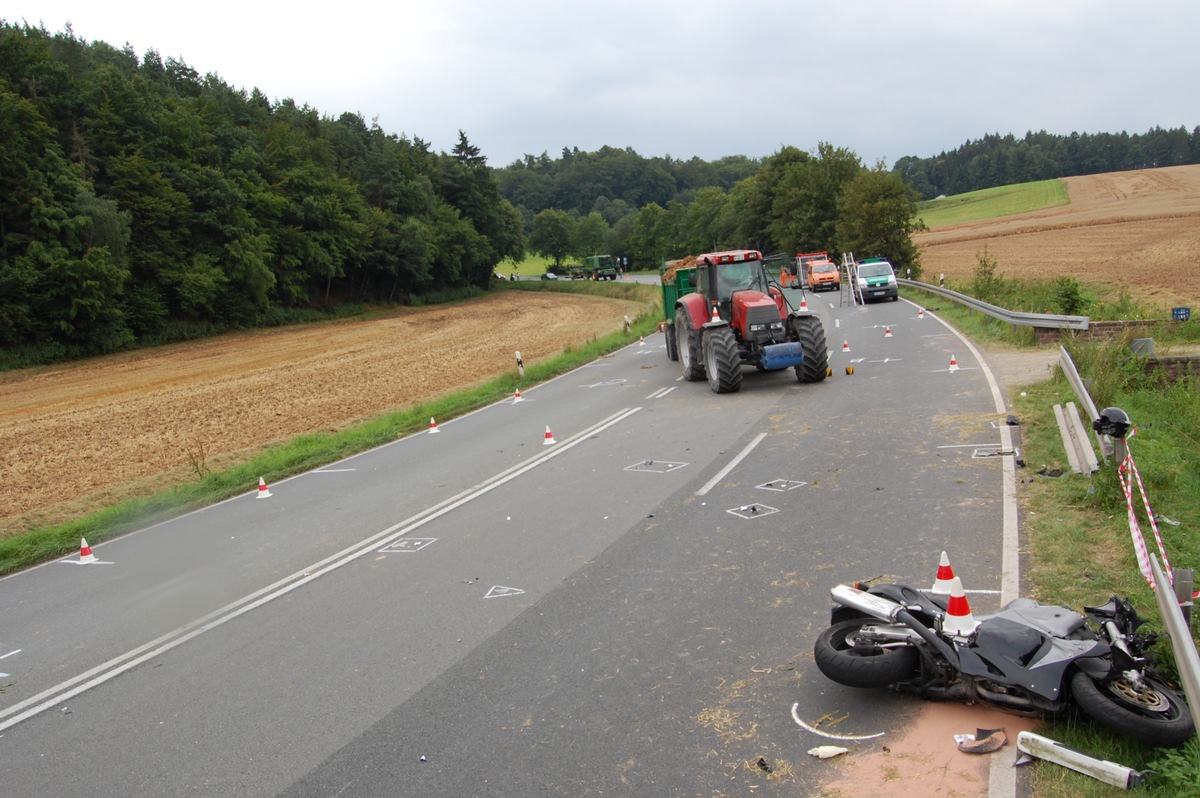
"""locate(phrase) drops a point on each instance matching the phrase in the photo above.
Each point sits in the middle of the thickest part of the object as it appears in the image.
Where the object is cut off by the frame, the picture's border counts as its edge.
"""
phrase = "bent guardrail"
(1015, 317)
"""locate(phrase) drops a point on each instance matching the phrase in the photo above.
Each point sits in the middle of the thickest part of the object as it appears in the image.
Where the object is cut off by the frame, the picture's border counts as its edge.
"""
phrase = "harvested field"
(1136, 231)
(80, 436)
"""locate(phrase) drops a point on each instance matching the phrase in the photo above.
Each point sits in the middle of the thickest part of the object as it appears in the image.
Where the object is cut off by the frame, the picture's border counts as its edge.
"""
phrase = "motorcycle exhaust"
(866, 603)
(891, 612)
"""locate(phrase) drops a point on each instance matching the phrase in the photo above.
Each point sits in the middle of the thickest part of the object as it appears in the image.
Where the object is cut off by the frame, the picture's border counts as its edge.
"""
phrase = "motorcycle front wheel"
(846, 657)
(1152, 714)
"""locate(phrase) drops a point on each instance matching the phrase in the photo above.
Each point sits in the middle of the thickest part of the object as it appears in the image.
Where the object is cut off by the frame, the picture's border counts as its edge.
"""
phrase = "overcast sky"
(684, 77)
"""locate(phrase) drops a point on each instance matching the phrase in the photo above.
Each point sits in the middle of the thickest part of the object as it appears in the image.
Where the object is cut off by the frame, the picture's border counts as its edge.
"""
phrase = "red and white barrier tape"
(1124, 472)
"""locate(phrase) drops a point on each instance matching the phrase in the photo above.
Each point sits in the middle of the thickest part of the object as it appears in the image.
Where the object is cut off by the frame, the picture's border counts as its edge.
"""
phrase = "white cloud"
(685, 78)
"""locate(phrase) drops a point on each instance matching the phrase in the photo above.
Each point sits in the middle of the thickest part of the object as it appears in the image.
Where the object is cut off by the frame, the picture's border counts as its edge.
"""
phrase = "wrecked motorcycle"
(1031, 658)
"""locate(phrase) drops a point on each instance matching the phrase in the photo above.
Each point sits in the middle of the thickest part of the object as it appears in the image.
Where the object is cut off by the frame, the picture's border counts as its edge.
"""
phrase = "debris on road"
(983, 741)
(827, 751)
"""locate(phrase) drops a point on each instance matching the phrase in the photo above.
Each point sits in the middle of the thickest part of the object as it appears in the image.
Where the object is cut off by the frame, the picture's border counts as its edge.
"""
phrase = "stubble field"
(80, 436)
(1136, 231)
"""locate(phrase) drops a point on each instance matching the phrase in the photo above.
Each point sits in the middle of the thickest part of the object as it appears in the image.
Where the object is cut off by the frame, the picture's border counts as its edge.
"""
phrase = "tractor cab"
(721, 275)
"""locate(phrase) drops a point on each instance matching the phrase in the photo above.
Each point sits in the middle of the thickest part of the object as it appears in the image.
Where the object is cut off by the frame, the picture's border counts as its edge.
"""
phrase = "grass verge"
(310, 451)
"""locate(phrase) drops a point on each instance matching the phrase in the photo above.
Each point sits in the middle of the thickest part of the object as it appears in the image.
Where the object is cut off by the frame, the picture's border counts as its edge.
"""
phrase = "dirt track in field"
(80, 436)
(1133, 231)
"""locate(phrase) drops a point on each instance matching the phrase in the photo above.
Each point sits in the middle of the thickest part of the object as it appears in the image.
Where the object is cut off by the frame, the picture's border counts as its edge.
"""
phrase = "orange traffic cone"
(85, 552)
(432, 426)
(959, 622)
(887, 332)
(263, 493)
(845, 345)
(953, 364)
(549, 438)
(945, 575)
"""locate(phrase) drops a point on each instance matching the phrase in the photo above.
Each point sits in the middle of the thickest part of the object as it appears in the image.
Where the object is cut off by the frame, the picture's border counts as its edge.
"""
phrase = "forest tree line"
(141, 202)
(996, 160)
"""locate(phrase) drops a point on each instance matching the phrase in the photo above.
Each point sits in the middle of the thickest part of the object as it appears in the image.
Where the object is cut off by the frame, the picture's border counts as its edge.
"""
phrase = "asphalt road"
(629, 610)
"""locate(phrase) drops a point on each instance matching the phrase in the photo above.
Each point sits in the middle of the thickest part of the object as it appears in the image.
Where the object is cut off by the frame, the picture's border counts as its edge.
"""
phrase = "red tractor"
(725, 313)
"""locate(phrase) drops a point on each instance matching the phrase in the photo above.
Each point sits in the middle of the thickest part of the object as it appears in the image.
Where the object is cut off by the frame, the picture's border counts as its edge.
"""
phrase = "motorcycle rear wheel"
(854, 662)
(1154, 715)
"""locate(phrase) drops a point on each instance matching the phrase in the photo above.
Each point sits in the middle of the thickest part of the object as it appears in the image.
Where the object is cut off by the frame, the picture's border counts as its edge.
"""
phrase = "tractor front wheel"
(811, 335)
(721, 360)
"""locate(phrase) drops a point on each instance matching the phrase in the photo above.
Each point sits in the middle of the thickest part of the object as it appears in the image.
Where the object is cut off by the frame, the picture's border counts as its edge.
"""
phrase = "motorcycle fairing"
(1008, 651)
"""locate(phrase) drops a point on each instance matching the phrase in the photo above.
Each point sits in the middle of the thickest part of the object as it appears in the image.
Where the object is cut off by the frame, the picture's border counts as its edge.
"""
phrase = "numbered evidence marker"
(404, 545)
(500, 591)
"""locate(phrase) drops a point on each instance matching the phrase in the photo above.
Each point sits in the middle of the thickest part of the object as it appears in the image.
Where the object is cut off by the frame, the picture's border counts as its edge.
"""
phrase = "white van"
(876, 280)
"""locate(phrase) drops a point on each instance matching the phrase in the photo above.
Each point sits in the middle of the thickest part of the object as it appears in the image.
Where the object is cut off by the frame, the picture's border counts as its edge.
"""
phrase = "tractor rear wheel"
(811, 335)
(721, 360)
(686, 348)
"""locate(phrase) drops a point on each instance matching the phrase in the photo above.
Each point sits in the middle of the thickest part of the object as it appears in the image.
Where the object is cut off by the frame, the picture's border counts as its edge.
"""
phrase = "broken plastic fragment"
(827, 751)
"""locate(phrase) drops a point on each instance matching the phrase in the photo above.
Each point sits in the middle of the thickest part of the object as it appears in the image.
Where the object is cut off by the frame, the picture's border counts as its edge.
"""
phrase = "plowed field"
(80, 436)
(1133, 231)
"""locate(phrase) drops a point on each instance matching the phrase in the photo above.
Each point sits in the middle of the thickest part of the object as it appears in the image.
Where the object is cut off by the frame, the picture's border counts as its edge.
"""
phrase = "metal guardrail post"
(1072, 374)
(1182, 645)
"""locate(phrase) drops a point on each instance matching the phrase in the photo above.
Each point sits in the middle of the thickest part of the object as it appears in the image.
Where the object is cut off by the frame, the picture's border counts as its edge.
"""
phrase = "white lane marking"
(732, 464)
(967, 446)
(806, 727)
(131, 659)
(333, 470)
(9, 654)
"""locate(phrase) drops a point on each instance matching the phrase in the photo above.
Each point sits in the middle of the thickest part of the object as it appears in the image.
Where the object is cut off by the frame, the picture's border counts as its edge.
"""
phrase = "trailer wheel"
(721, 360)
(811, 335)
(672, 349)
(686, 348)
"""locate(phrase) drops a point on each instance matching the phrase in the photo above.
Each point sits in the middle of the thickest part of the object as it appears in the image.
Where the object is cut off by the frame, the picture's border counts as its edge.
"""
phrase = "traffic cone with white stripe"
(845, 345)
(432, 426)
(716, 316)
(517, 397)
(263, 493)
(959, 622)
(549, 438)
(920, 313)
(945, 575)
(887, 332)
(803, 305)
(641, 340)
(953, 364)
(85, 552)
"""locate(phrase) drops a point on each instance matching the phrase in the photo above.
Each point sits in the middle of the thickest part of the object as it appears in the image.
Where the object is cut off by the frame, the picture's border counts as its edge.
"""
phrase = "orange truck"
(818, 272)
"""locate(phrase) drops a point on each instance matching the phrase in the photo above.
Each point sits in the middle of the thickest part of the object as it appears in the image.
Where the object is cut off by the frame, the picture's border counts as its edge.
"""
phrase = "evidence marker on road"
(405, 545)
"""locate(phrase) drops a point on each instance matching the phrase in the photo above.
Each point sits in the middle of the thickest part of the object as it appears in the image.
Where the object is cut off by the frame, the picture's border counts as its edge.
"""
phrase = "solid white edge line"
(1002, 776)
(732, 464)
